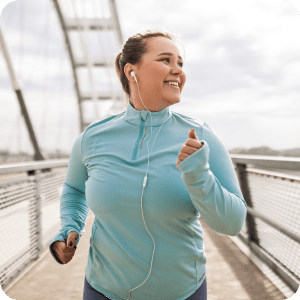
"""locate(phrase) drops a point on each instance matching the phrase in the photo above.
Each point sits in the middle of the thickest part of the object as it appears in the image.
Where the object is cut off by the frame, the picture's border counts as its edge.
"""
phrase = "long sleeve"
(73, 205)
(210, 179)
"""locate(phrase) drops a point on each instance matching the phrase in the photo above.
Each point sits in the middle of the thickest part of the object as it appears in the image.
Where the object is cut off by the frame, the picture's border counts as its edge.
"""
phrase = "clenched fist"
(65, 251)
(191, 145)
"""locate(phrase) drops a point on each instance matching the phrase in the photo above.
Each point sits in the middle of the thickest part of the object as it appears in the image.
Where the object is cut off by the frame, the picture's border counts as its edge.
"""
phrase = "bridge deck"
(230, 274)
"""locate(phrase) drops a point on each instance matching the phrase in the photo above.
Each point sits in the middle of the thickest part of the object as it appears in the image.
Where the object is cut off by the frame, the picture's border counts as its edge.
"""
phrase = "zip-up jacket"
(106, 172)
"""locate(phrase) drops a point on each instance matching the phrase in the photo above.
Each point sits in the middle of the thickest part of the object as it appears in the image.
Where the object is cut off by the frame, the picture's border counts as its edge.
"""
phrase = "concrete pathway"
(230, 274)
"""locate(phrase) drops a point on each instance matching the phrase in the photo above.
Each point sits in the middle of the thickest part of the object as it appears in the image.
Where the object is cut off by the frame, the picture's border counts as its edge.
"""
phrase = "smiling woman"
(148, 245)
(153, 52)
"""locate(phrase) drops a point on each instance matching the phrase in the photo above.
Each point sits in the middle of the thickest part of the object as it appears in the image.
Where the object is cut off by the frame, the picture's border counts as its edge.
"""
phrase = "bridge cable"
(88, 62)
(45, 101)
(108, 63)
(20, 71)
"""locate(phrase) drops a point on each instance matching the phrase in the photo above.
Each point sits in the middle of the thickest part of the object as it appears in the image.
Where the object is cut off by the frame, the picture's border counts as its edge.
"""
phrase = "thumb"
(71, 239)
(192, 134)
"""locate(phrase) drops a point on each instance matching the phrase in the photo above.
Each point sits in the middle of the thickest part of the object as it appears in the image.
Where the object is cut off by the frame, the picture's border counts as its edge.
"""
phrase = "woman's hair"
(132, 52)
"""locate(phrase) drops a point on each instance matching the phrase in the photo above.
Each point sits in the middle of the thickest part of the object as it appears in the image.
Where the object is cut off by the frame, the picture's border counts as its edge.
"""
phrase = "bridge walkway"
(231, 275)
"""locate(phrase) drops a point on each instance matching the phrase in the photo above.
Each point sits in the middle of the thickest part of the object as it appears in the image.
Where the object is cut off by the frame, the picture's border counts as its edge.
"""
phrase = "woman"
(147, 241)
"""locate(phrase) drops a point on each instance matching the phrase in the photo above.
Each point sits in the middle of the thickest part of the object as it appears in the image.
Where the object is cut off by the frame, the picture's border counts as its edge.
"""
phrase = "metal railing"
(30, 198)
(271, 188)
(29, 212)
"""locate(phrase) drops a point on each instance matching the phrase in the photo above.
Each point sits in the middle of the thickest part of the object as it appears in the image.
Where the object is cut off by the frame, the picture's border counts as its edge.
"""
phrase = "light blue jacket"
(106, 171)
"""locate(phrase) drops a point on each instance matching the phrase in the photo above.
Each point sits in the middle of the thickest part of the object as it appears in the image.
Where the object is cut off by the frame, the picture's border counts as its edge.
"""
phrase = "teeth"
(172, 83)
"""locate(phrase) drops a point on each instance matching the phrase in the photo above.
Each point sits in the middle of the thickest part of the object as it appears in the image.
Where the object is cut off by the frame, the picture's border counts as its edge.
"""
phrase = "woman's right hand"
(65, 251)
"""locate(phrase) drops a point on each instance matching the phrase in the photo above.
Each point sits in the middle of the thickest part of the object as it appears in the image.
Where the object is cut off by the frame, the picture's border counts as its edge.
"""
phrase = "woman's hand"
(65, 251)
(191, 145)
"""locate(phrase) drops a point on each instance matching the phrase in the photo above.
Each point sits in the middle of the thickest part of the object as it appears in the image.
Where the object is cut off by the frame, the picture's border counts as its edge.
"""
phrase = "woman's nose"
(176, 70)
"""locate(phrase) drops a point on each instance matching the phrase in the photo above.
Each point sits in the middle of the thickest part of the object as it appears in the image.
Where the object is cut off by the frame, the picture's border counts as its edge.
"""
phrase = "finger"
(71, 239)
(193, 143)
(61, 247)
(65, 257)
(68, 256)
(178, 162)
(182, 156)
(192, 134)
(188, 150)
(60, 256)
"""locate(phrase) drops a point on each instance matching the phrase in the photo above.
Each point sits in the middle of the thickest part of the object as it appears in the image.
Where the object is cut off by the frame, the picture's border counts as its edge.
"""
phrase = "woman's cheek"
(183, 80)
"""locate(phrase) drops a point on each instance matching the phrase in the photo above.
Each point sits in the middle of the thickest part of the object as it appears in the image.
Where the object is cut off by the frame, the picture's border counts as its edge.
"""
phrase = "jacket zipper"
(136, 146)
(141, 146)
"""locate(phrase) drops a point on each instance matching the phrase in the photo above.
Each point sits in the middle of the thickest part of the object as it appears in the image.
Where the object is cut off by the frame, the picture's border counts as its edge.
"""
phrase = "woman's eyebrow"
(168, 53)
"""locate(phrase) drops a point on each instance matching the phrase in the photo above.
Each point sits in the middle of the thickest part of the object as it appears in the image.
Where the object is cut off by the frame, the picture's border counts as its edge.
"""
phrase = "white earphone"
(133, 74)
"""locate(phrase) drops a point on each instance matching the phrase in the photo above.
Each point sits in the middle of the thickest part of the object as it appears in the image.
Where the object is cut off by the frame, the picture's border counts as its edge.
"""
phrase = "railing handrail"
(32, 166)
(280, 162)
(276, 225)
(266, 161)
(277, 174)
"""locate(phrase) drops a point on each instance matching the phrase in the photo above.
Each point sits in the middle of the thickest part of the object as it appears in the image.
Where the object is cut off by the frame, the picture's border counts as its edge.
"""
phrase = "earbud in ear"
(133, 74)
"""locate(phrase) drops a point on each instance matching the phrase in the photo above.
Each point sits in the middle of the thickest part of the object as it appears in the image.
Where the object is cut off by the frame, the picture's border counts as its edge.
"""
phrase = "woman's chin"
(175, 100)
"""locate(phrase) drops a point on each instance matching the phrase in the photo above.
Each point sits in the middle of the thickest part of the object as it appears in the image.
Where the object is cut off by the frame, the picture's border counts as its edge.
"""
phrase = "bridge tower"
(93, 37)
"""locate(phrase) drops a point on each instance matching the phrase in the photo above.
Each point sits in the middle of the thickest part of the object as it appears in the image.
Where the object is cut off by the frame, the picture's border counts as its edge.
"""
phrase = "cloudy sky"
(242, 60)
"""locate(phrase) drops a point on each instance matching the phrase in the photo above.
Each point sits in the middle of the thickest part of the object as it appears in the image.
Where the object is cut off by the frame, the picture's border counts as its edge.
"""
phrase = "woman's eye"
(167, 59)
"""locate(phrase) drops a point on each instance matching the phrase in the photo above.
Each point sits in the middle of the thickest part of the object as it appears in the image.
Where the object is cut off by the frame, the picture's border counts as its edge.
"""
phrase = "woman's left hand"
(191, 145)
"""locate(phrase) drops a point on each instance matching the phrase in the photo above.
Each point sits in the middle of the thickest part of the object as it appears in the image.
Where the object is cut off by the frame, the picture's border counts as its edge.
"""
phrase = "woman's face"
(160, 75)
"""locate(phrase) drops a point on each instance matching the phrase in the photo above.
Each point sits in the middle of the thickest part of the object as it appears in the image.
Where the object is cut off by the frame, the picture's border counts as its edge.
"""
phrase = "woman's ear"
(128, 68)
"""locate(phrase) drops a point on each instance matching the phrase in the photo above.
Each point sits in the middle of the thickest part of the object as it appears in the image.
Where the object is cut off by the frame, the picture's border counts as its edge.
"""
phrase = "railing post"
(36, 230)
(243, 180)
(39, 210)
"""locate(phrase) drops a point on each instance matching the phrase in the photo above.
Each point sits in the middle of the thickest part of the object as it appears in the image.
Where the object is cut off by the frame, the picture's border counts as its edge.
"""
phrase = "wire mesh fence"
(15, 217)
(29, 215)
(271, 188)
(29, 218)
(51, 188)
(279, 200)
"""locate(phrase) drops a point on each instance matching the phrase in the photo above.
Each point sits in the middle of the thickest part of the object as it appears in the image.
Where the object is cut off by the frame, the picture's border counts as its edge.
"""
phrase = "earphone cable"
(144, 185)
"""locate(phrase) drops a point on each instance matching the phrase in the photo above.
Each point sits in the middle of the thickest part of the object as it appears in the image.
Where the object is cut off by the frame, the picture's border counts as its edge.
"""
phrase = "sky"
(242, 60)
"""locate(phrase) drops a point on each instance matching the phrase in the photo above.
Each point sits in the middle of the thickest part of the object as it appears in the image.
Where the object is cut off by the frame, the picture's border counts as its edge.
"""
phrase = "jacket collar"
(135, 117)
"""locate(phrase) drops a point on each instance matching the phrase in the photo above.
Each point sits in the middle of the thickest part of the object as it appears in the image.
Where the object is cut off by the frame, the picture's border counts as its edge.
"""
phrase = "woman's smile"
(173, 84)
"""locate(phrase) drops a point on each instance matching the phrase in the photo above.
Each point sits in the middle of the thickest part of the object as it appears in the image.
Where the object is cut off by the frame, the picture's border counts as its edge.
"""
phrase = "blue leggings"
(89, 293)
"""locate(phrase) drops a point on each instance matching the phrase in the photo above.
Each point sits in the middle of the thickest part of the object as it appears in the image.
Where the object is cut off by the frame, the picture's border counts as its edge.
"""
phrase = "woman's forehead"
(159, 45)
